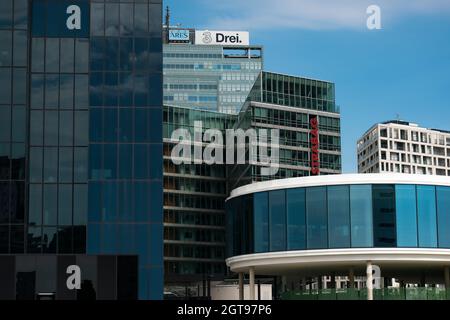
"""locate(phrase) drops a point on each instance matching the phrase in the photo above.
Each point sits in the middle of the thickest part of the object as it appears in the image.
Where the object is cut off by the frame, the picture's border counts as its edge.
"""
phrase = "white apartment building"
(403, 147)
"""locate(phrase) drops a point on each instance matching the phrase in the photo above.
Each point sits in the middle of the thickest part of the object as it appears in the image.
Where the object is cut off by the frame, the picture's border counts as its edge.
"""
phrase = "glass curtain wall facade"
(194, 197)
(289, 103)
(211, 78)
(13, 121)
(81, 131)
(125, 145)
(338, 217)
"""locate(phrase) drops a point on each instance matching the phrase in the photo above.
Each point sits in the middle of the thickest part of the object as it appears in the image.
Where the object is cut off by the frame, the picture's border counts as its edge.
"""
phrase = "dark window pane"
(36, 128)
(81, 128)
(6, 14)
(112, 54)
(67, 55)
(5, 86)
(65, 240)
(20, 48)
(277, 218)
(4, 204)
(141, 19)
(126, 125)
(66, 91)
(125, 161)
(5, 123)
(50, 206)
(17, 203)
(65, 165)
(19, 122)
(126, 92)
(36, 164)
(34, 240)
(20, 14)
(80, 204)
(426, 206)
(296, 219)
(316, 218)
(37, 51)
(51, 128)
(94, 201)
(37, 91)
(18, 161)
(261, 222)
(96, 125)
(110, 118)
(384, 216)
(20, 86)
(17, 239)
(406, 204)
(111, 89)
(51, 91)
(4, 238)
(5, 48)
(126, 19)
(65, 205)
(361, 216)
(81, 55)
(95, 162)
(141, 162)
(110, 161)
(97, 19)
(50, 165)
(52, 55)
(97, 54)
(80, 165)
(126, 54)
(35, 205)
(112, 19)
(81, 92)
(65, 128)
(339, 217)
(49, 239)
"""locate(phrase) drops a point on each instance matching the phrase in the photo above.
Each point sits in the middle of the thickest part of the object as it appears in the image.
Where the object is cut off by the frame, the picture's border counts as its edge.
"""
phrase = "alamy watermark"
(374, 19)
(211, 147)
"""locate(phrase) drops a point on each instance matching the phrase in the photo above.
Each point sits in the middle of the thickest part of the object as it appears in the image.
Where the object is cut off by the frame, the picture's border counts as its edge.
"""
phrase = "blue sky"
(401, 70)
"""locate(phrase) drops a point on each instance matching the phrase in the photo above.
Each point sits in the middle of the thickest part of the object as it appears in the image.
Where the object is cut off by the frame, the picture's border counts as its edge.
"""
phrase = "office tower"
(81, 147)
(201, 72)
(404, 147)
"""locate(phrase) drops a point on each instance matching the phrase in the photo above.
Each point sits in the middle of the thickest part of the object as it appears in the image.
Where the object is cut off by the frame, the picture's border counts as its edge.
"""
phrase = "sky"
(401, 71)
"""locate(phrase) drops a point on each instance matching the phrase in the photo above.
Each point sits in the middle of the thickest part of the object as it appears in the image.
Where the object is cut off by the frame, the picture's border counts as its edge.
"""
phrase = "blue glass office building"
(81, 132)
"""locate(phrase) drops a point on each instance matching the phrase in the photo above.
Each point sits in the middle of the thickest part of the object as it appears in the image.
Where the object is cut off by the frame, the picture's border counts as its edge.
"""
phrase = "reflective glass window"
(37, 91)
(5, 48)
(406, 203)
(426, 207)
(37, 57)
(261, 222)
(20, 86)
(80, 164)
(50, 204)
(80, 194)
(361, 216)
(65, 205)
(443, 208)
(316, 218)
(50, 165)
(339, 216)
(296, 219)
(36, 164)
(20, 48)
(81, 91)
(277, 218)
(385, 234)
(65, 165)
(5, 86)
(66, 91)
(81, 55)
(52, 55)
(65, 128)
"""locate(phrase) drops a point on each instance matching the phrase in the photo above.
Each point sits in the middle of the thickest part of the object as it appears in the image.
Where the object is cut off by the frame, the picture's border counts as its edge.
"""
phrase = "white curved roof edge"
(333, 256)
(341, 179)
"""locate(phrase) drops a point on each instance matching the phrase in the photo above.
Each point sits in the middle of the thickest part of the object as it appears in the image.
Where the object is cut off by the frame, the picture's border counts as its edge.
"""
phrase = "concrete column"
(369, 281)
(351, 278)
(447, 278)
(241, 286)
(252, 283)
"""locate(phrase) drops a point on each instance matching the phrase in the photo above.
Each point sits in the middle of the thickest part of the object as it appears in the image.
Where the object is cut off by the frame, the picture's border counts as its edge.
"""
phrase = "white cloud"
(312, 14)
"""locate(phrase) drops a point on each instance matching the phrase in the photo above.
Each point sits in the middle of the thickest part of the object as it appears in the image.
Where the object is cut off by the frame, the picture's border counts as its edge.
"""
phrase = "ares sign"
(60, 18)
(224, 38)
(315, 157)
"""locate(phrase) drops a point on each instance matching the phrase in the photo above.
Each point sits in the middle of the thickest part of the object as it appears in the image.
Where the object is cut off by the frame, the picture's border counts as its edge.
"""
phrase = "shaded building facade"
(81, 144)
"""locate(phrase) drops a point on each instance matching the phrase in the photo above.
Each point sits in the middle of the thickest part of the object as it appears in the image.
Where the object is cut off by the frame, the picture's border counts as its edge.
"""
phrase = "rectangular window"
(277, 218)
(406, 203)
(296, 219)
(384, 216)
(339, 217)
(316, 218)
(426, 206)
(443, 207)
(261, 222)
(361, 216)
